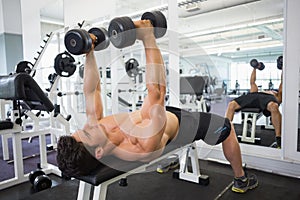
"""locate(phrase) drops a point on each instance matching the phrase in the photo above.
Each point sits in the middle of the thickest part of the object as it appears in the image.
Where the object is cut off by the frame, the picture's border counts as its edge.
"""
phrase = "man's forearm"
(155, 69)
(91, 74)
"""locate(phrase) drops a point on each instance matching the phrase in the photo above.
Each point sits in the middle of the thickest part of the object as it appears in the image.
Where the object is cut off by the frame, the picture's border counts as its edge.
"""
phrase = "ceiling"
(230, 29)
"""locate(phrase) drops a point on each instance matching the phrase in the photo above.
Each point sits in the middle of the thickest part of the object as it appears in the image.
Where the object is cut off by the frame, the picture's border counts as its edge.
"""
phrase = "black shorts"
(258, 100)
(211, 128)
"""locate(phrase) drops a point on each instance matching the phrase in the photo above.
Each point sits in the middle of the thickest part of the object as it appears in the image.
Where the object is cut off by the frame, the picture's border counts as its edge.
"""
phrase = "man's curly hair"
(75, 158)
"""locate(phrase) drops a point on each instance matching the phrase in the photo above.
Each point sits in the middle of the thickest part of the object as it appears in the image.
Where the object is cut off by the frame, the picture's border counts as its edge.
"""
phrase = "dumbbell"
(79, 41)
(279, 62)
(122, 32)
(257, 65)
(39, 180)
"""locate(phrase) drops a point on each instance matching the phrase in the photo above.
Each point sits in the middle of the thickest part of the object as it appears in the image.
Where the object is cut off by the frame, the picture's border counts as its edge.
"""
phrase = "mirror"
(232, 33)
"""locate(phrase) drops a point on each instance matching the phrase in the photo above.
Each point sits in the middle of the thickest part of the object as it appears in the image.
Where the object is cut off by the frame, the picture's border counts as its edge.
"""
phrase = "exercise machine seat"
(23, 87)
(6, 124)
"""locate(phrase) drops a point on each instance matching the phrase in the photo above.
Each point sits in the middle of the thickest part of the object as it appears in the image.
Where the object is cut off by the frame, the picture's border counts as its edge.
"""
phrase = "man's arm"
(155, 69)
(253, 86)
(153, 114)
(92, 89)
(279, 94)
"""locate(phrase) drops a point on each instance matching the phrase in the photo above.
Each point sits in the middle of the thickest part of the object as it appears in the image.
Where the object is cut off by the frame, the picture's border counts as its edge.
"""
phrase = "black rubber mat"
(150, 186)
(267, 136)
(64, 191)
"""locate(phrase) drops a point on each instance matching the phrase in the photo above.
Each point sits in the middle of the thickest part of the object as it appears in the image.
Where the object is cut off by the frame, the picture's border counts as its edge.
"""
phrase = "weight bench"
(118, 170)
(250, 116)
(26, 95)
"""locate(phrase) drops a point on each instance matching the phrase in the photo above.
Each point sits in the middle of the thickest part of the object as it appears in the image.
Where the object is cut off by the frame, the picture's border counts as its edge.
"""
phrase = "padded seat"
(108, 168)
(111, 167)
(251, 110)
(23, 87)
(5, 124)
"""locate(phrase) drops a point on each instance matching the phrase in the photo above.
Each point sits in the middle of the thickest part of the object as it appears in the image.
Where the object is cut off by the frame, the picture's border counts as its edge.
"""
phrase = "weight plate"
(102, 38)
(121, 32)
(34, 174)
(77, 41)
(41, 183)
(158, 21)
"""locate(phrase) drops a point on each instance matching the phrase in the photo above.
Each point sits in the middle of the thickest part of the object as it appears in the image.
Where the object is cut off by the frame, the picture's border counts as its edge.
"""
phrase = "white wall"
(1, 18)
(290, 79)
(31, 31)
(12, 16)
(75, 11)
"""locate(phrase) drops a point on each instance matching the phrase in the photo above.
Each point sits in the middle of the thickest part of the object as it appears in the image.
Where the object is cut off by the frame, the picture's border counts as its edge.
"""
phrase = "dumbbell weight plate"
(102, 38)
(261, 66)
(121, 32)
(34, 174)
(131, 67)
(158, 21)
(254, 63)
(279, 62)
(78, 41)
(41, 183)
(64, 64)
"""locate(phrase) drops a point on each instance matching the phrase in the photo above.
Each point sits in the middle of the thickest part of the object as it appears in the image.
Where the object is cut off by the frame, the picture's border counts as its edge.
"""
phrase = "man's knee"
(273, 107)
(233, 105)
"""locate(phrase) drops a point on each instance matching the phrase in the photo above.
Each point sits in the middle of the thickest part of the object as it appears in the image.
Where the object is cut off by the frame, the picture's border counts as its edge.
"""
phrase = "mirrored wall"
(231, 34)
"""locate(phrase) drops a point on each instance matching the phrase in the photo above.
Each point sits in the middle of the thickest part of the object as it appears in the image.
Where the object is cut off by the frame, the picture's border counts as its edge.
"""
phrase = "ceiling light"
(237, 43)
(234, 27)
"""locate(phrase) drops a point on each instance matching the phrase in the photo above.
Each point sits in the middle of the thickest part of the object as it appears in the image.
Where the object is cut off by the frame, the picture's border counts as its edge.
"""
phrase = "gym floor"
(152, 185)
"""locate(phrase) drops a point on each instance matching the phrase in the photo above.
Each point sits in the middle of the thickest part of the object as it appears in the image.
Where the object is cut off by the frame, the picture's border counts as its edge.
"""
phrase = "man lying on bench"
(267, 101)
(143, 135)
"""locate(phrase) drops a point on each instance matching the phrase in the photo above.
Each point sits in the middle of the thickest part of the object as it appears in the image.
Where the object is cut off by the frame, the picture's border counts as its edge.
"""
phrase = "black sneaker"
(242, 184)
(275, 145)
(170, 163)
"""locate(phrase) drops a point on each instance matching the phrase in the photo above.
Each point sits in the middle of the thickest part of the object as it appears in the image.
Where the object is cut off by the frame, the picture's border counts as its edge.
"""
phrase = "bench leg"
(194, 175)
(4, 139)
(245, 127)
(84, 191)
(253, 128)
(245, 137)
(100, 192)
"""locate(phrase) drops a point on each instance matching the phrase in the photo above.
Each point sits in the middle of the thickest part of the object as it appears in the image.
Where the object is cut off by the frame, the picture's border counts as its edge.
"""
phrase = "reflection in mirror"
(232, 36)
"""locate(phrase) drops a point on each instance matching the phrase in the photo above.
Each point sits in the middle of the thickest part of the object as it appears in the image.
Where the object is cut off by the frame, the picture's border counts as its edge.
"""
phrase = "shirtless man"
(267, 101)
(144, 134)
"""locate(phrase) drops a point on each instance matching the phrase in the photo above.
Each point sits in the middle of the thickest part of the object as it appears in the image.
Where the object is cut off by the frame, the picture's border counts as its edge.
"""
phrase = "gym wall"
(11, 52)
(11, 47)
(77, 11)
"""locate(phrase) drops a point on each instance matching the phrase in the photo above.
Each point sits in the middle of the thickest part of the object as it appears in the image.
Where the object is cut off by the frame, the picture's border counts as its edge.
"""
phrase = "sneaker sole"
(170, 167)
(240, 190)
